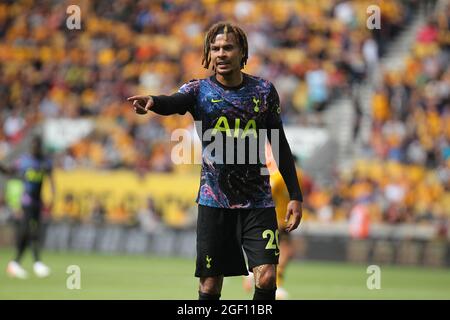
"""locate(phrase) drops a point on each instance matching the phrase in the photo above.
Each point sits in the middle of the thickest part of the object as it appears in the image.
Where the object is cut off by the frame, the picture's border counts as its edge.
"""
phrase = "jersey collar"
(242, 84)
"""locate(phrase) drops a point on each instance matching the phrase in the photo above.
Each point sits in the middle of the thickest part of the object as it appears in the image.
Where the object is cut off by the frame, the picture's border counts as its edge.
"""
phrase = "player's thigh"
(22, 228)
(260, 237)
(24, 222)
(32, 215)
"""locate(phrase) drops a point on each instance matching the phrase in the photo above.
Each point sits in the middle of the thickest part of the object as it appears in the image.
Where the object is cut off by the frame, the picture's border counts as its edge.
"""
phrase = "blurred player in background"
(236, 207)
(281, 198)
(32, 168)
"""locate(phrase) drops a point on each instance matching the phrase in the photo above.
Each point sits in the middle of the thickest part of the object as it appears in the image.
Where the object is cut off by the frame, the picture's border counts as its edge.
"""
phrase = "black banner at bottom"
(226, 309)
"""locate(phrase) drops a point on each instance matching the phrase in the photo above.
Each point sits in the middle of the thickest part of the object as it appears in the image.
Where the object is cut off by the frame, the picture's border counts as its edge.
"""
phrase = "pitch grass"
(151, 277)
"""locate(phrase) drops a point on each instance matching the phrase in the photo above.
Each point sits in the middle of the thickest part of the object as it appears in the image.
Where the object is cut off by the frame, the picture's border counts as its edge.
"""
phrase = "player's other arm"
(162, 104)
(7, 170)
(285, 162)
(52, 188)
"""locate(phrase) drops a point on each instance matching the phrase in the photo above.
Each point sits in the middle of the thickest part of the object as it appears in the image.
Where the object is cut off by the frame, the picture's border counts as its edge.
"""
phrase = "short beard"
(226, 73)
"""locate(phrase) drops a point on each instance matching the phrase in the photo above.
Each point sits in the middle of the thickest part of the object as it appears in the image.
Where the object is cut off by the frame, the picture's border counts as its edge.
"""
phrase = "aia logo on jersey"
(222, 125)
(35, 176)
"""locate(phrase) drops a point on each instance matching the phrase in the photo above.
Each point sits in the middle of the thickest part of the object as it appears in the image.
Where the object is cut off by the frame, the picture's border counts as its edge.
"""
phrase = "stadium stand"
(313, 51)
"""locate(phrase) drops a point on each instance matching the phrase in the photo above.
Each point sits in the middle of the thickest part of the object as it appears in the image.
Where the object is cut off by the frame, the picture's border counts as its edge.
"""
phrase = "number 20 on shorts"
(272, 236)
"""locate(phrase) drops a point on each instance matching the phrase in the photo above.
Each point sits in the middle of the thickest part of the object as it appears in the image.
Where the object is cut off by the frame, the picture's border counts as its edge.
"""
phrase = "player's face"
(226, 54)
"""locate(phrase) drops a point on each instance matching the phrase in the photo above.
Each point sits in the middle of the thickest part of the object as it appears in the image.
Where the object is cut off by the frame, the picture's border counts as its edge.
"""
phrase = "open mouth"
(222, 64)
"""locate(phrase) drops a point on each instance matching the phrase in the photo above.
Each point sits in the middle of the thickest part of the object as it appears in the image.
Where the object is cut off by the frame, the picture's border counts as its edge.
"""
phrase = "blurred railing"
(402, 245)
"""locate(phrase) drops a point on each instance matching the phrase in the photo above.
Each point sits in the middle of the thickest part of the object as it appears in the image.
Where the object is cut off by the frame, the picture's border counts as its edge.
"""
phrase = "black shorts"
(32, 212)
(30, 223)
(222, 233)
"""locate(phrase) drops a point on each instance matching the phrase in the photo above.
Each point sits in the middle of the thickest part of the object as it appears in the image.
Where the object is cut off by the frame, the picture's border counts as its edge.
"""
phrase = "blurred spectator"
(71, 209)
(98, 213)
(120, 214)
(148, 217)
(178, 215)
(359, 219)
(370, 54)
(317, 81)
(14, 126)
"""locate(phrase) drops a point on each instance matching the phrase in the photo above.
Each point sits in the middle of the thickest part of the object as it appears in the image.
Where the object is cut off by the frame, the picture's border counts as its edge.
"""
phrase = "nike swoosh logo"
(277, 253)
(214, 100)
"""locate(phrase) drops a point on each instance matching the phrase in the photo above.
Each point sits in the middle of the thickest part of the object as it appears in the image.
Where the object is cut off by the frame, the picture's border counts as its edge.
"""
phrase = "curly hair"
(225, 28)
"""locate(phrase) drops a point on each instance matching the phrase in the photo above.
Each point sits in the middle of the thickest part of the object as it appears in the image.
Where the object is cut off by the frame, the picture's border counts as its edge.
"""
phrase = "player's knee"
(211, 285)
(267, 277)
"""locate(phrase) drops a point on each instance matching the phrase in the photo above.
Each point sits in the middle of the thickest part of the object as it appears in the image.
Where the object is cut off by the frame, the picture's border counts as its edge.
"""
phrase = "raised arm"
(163, 105)
(7, 170)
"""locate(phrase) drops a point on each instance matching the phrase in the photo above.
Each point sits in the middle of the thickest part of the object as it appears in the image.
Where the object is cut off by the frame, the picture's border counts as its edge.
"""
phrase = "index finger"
(294, 225)
(135, 98)
(288, 215)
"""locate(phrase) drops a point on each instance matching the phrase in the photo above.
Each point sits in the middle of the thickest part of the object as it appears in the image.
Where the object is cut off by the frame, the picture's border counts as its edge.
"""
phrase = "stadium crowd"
(404, 174)
(312, 51)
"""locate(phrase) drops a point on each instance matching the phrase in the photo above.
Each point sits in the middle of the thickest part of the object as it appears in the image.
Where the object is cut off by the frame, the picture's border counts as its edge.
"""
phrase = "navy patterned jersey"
(33, 171)
(237, 113)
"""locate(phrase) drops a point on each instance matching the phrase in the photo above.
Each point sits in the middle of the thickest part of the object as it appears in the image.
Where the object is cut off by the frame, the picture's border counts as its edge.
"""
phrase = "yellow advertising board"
(120, 189)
